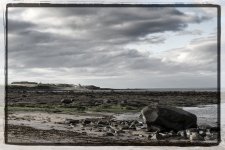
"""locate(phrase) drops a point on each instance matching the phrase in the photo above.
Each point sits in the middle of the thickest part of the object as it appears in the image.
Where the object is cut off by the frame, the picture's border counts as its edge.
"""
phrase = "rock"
(106, 128)
(141, 135)
(172, 133)
(123, 102)
(155, 136)
(152, 137)
(86, 121)
(111, 130)
(132, 126)
(164, 135)
(138, 128)
(59, 122)
(24, 95)
(71, 121)
(67, 101)
(99, 130)
(208, 132)
(211, 137)
(189, 131)
(116, 130)
(135, 122)
(194, 136)
(202, 132)
(125, 127)
(143, 127)
(103, 123)
(169, 118)
(106, 101)
(119, 131)
(56, 111)
(182, 133)
(71, 125)
(139, 124)
(109, 134)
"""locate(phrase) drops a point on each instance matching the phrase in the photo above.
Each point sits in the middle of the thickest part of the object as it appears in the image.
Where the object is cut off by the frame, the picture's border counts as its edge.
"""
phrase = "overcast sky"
(114, 47)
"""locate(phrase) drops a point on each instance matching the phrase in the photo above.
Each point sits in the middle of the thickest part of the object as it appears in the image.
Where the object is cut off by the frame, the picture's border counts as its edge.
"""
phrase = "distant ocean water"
(171, 89)
(161, 90)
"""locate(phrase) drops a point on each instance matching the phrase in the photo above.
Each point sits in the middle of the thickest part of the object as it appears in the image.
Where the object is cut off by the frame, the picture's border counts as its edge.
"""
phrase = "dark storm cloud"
(16, 26)
(92, 41)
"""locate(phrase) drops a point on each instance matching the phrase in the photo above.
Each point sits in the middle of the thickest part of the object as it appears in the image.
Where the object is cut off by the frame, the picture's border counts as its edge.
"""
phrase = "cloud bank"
(91, 46)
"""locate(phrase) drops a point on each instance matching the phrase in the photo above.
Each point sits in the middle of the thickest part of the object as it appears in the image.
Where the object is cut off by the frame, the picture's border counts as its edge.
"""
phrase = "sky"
(166, 47)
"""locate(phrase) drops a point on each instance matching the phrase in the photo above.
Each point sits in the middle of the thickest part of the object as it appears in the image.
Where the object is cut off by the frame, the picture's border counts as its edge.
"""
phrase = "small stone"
(188, 131)
(132, 126)
(119, 131)
(208, 132)
(139, 124)
(172, 133)
(103, 122)
(71, 125)
(210, 137)
(71, 121)
(182, 133)
(109, 134)
(155, 136)
(163, 135)
(194, 136)
(106, 128)
(86, 121)
(111, 130)
(202, 133)
(140, 135)
(125, 127)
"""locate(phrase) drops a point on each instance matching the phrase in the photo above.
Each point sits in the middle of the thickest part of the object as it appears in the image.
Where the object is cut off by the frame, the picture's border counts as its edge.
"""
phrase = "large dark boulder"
(168, 118)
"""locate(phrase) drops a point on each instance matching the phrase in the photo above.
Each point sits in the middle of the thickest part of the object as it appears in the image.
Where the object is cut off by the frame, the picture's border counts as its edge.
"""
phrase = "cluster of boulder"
(159, 123)
(166, 122)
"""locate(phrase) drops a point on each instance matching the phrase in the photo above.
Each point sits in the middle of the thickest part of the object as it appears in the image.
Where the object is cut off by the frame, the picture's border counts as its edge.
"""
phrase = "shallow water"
(207, 114)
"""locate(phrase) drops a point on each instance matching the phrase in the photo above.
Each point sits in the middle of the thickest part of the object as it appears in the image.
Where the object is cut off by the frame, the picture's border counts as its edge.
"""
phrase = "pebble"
(109, 134)
(155, 136)
(182, 133)
(85, 122)
(195, 136)
(210, 137)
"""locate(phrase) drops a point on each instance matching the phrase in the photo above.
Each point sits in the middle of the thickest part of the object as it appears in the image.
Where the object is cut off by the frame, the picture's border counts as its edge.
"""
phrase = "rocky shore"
(41, 128)
(90, 118)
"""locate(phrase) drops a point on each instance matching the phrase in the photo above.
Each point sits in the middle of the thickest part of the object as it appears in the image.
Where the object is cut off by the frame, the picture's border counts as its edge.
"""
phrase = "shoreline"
(79, 116)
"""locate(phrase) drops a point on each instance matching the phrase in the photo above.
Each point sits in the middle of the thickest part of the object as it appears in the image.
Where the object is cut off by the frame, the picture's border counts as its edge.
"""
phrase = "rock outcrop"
(168, 118)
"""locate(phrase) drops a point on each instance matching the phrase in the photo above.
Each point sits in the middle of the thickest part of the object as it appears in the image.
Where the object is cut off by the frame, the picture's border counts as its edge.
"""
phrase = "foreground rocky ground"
(26, 125)
(35, 128)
